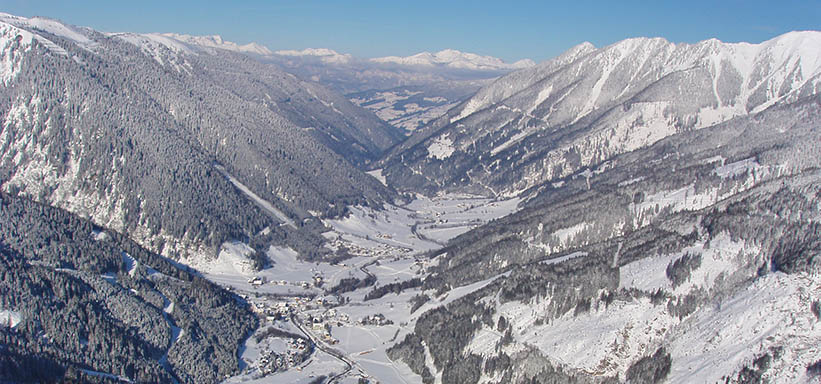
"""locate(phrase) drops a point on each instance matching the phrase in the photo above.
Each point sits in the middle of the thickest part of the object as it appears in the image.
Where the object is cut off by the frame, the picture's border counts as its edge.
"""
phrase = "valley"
(351, 330)
(186, 209)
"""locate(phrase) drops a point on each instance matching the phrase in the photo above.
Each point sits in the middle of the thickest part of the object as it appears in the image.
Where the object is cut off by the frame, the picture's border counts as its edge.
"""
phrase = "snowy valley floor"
(352, 335)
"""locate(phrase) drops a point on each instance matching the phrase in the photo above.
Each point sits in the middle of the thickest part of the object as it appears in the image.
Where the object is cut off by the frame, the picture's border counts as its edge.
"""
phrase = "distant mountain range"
(452, 58)
(406, 92)
(449, 58)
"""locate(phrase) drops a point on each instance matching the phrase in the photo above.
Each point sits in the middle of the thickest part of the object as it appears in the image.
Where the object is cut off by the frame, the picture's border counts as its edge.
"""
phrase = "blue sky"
(510, 30)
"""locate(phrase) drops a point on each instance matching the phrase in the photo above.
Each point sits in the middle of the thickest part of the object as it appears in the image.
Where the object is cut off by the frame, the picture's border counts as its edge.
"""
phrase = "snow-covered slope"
(695, 259)
(129, 130)
(455, 59)
(583, 107)
(189, 44)
(54, 27)
(216, 41)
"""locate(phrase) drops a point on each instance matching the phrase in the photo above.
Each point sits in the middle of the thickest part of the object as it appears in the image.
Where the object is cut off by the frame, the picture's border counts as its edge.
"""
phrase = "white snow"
(564, 258)
(601, 341)
(324, 54)
(593, 97)
(368, 228)
(390, 106)
(722, 257)
(366, 345)
(684, 198)
(163, 49)
(377, 174)
(773, 311)
(10, 318)
(51, 26)
(566, 235)
(714, 341)
(28, 28)
(441, 148)
(216, 41)
(484, 342)
(262, 203)
(233, 259)
(9, 64)
(473, 105)
(233, 268)
(513, 139)
(542, 96)
(150, 41)
(454, 59)
(647, 274)
(105, 375)
(708, 116)
(170, 48)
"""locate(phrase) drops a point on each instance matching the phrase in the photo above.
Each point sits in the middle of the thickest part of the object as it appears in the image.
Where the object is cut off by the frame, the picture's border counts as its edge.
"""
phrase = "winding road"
(349, 364)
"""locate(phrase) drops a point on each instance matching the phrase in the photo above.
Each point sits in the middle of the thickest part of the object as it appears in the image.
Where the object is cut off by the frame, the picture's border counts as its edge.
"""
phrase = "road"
(349, 364)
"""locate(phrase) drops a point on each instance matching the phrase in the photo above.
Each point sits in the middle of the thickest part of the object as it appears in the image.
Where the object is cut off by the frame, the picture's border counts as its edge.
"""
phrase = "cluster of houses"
(270, 362)
(379, 251)
(322, 324)
(375, 319)
(316, 281)
(283, 309)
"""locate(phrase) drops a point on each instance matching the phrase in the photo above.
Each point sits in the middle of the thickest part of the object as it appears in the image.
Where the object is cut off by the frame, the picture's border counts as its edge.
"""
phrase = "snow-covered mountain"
(669, 226)
(352, 132)
(694, 259)
(587, 105)
(216, 41)
(147, 319)
(324, 54)
(452, 58)
(175, 140)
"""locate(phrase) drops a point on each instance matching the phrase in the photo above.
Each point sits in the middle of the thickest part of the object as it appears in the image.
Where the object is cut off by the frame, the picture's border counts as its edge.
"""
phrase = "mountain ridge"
(595, 103)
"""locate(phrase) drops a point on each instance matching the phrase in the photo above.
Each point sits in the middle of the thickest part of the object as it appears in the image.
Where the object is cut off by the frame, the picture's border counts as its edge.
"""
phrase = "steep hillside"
(84, 304)
(694, 259)
(173, 145)
(588, 105)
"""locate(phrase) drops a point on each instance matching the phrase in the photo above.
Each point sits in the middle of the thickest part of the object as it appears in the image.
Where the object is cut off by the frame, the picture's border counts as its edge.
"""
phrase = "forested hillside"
(142, 137)
(86, 304)
(629, 266)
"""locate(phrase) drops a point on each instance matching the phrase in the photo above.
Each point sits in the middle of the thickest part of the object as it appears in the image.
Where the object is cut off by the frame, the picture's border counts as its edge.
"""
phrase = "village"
(320, 313)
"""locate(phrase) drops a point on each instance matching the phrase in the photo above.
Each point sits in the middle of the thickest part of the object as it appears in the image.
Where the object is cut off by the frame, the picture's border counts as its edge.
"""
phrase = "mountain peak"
(49, 25)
